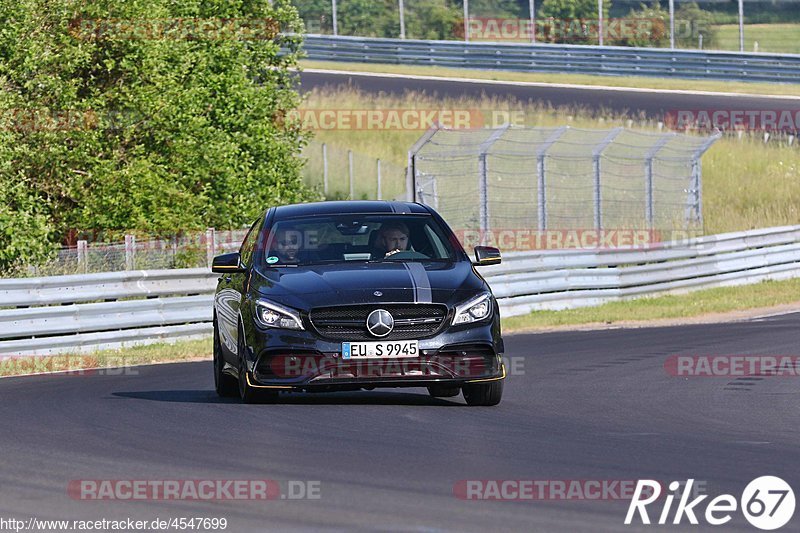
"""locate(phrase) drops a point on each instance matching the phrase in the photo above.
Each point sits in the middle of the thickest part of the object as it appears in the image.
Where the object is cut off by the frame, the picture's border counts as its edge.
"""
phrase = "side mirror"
(227, 263)
(486, 255)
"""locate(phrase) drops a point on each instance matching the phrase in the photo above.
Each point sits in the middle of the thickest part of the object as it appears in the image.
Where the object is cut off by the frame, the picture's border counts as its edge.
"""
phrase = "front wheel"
(483, 393)
(224, 384)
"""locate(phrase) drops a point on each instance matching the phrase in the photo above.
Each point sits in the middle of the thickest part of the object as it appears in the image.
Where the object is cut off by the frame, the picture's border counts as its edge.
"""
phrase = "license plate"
(380, 350)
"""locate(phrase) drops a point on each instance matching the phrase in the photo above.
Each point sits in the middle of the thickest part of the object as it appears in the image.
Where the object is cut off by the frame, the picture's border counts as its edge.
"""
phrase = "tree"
(155, 116)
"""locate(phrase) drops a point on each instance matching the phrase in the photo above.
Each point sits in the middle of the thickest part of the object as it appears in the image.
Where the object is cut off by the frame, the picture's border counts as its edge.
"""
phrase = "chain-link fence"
(554, 179)
(747, 26)
(191, 250)
(340, 174)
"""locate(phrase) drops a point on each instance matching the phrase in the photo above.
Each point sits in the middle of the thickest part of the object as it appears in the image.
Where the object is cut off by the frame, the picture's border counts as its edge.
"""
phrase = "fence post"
(483, 179)
(402, 9)
(532, 13)
(466, 21)
(649, 207)
(325, 169)
(411, 169)
(379, 180)
(335, 17)
(83, 258)
(352, 184)
(211, 246)
(600, 22)
(541, 193)
(130, 252)
(596, 154)
(695, 195)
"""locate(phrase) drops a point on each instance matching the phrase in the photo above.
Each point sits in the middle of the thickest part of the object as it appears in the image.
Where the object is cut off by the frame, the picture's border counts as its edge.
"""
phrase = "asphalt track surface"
(579, 406)
(651, 104)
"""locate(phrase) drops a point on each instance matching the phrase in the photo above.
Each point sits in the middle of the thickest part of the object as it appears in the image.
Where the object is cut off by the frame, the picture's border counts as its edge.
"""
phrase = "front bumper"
(301, 360)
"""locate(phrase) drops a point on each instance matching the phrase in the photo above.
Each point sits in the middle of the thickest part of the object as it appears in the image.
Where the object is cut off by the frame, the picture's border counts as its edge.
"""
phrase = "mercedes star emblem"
(380, 322)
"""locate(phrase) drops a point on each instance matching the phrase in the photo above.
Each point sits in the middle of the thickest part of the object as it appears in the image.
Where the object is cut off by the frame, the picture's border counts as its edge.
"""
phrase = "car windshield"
(336, 239)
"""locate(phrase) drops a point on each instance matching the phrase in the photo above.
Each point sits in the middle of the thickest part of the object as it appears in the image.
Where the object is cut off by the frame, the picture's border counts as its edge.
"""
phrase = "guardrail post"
(83, 257)
(596, 155)
(541, 192)
(211, 245)
(325, 169)
(379, 180)
(130, 252)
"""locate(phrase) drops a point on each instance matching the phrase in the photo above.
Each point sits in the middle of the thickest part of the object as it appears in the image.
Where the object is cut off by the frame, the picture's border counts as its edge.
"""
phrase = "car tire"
(443, 391)
(485, 394)
(225, 384)
(247, 392)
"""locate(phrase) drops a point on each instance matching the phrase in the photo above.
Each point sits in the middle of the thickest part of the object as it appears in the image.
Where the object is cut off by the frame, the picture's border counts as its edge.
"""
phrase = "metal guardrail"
(575, 59)
(65, 314)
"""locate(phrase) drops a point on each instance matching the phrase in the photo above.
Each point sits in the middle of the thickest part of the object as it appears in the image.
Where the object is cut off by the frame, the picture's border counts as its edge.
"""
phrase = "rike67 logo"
(767, 503)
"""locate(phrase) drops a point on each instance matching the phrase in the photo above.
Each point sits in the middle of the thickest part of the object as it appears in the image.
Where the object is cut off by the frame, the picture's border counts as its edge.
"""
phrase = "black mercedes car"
(355, 295)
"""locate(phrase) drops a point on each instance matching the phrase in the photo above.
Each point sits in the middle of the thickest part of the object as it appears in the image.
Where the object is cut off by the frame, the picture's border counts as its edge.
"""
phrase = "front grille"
(349, 323)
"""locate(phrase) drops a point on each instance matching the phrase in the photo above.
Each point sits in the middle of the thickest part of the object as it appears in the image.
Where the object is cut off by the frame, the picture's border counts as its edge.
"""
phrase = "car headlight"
(474, 310)
(272, 315)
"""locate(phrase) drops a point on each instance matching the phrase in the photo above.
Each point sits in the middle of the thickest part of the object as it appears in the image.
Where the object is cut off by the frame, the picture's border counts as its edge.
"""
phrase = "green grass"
(577, 79)
(746, 183)
(777, 38)
(682, 306)
(125, 357)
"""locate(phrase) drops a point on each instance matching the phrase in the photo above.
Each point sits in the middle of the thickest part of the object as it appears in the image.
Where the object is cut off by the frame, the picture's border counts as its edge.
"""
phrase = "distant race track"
(634, 103)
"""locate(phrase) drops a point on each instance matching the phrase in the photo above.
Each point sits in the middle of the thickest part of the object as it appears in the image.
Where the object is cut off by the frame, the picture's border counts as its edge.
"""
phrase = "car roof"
(353, 207)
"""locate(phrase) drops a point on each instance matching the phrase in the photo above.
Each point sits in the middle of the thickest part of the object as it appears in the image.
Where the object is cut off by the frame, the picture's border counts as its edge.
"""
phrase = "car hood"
(358, 283)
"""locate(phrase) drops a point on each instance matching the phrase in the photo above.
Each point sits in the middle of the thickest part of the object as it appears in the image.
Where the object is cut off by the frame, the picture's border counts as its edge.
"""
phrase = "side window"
(440, 250)
(249, 244)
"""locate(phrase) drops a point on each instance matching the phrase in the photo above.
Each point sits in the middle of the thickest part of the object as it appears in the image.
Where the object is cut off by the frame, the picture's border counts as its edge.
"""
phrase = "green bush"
(654, 28)
(120, 116)
(571, 21)
(690, 22)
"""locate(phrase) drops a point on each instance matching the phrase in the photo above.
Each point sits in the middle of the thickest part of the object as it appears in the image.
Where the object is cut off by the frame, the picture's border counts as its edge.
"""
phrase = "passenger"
(287, 244)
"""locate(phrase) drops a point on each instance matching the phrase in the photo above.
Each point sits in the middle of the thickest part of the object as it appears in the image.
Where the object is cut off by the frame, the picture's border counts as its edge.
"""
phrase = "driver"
(392, 238)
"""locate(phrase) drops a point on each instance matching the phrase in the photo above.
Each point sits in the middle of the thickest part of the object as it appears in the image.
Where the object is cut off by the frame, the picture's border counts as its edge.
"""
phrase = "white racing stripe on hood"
(420, 282)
